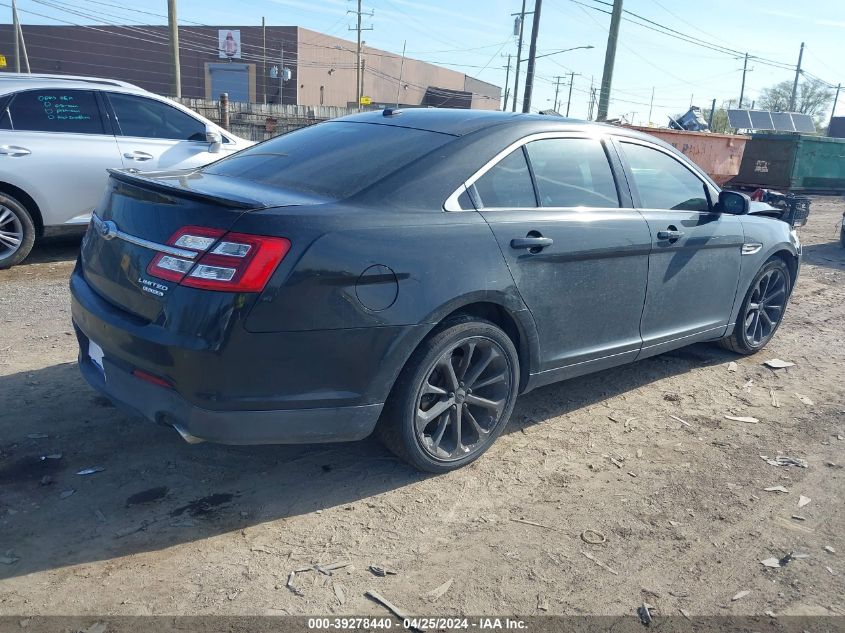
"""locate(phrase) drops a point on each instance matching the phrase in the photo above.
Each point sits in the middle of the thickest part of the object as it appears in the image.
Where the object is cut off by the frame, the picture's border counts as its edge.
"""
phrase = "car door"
(56, 145)
(154, 135)
(695, 255)
(578, 256)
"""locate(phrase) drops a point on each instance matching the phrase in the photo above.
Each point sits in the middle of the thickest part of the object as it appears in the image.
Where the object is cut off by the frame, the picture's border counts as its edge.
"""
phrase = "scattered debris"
(798, 517)
(802, 501)
(804, 399)
(829, 549)
(100, 516)
(740, 595)
(339, 593)
(97, 627)
(599, 563)
(593, 537)
(92, 470)
(37, 436)
(774, 397)
(8, 559)
(296, 590)
(784, 460)
(732, 366)
(381, 571)
(399, 613)
(771, 614)
(328, 569)
(742, 418)
(51, 456)
(46, 480)
(671, 397)
(677, 419)
(685, 614)
(776, 489)
(542, 602)
(66, 493)
(831, 572)
(773, 562)
(777, 363)
(639, 453)
(534, 523)
(438, 592)
(645, 614)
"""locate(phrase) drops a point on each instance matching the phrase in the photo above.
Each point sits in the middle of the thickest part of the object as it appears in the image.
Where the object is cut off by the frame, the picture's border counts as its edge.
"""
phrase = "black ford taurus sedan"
(410, 273)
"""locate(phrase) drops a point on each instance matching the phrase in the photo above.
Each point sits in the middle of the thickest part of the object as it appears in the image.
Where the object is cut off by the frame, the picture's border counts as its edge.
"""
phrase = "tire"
(17, 232)
(476, 397)
(758, 320)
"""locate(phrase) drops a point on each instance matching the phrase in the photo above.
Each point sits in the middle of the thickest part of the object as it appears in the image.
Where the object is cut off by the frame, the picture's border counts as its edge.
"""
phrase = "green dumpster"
(793, 162)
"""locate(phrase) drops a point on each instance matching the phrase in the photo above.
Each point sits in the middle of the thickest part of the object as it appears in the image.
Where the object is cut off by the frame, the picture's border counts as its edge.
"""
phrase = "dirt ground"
(169, 528)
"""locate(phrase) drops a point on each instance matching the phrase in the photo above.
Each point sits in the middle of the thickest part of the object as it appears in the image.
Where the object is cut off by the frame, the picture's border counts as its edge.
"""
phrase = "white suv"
(59, 134)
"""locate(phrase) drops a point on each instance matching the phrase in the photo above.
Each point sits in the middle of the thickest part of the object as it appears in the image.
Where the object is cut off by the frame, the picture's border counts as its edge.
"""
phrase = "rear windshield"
(336, 159)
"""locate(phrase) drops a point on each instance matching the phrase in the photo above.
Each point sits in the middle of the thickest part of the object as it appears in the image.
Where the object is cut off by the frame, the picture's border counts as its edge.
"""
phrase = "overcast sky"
(475, 37)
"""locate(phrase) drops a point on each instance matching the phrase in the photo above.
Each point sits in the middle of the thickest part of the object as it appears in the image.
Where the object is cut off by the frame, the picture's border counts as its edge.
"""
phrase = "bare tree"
(813, 97)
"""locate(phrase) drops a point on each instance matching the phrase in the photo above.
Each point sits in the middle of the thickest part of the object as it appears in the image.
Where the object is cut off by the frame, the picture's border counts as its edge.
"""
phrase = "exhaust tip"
(190, 439)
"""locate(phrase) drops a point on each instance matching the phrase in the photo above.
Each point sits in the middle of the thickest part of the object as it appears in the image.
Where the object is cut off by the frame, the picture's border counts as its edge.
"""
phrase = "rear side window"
(336, 159)
(69, 111)
(148, 118)
(507, 184)
(572, 172)
(663, 182)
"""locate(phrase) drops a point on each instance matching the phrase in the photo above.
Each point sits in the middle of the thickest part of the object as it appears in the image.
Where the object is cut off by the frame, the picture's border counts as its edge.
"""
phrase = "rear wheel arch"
(28, 203)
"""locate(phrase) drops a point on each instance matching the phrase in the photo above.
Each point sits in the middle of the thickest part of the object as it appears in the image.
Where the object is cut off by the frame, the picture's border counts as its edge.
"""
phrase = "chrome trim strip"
(751, 248)
(108, 231)
(451, 203)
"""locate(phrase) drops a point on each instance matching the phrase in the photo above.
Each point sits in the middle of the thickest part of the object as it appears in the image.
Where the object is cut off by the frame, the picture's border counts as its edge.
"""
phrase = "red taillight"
(230, 262)
(160, 382)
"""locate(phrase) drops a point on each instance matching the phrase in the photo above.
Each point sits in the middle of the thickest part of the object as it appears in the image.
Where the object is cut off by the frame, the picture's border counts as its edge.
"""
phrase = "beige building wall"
(326, 67)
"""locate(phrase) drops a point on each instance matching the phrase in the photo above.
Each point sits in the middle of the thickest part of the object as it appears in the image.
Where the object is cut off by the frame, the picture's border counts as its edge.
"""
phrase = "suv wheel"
(453, 398)
(762, 310)
(17, 232)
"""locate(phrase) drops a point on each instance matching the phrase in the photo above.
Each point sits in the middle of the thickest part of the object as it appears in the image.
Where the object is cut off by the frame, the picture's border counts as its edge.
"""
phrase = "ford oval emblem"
(107, 229)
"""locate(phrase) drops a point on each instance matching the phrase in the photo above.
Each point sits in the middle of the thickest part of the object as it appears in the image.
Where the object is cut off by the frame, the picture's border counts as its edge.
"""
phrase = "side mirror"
(214, 139)
(733, 202)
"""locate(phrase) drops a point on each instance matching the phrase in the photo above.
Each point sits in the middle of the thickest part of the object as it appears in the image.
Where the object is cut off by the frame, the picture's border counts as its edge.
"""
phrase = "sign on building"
(229, 43)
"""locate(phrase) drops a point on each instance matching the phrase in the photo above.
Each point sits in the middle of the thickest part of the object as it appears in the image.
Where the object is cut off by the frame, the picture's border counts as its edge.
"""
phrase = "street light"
(565, 50)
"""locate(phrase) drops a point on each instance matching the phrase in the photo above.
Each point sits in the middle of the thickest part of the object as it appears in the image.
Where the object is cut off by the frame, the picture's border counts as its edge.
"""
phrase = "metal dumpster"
(793, 162)
(719, 155)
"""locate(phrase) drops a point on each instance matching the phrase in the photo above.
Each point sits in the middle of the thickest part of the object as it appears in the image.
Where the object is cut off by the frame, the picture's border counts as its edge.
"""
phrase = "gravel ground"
(680, 506)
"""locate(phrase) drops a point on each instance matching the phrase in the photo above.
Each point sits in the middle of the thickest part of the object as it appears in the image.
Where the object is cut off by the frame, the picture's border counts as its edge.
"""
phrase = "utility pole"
(17, 43)
(532, 55)
(609, 60)
(833, 111)
(175, 73)
(264, 58)
(557, 89)
(795, 83)
(569, 100)
(359, 79)
(742, 89)
(712, 112)
(507, 84)
(402, 68)
(518, 55)
(651, 105)
(592, 105)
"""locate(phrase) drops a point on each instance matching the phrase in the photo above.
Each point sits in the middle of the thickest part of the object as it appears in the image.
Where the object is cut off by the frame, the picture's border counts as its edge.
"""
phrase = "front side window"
(663, 182)
(507, 184)
(148, 118)
(69, 111)
(572, 172)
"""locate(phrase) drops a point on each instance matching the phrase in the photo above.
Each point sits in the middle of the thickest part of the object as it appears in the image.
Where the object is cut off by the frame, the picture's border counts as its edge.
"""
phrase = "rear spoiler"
(182, 190)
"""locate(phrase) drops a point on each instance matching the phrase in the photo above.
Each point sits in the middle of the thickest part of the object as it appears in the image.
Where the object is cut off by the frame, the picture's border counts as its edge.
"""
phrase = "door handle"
(671, 234)
(14, 150)
(138, 155)
(532, 243)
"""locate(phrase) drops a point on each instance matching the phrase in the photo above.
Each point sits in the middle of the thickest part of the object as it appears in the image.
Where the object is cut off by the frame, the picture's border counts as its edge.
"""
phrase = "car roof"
(10, 82)
(460, 122)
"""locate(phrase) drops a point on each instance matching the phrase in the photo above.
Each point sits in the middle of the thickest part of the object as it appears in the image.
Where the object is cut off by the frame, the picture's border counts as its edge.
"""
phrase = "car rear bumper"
(282, 426)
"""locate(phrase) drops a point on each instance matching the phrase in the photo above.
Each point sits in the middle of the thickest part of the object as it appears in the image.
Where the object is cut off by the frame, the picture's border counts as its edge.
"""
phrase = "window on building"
(69, 111)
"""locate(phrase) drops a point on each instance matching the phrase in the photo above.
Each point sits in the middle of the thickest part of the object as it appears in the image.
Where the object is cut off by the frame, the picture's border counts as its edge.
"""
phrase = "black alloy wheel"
(454, 396)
